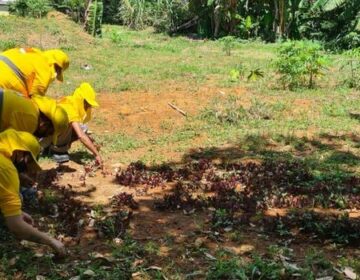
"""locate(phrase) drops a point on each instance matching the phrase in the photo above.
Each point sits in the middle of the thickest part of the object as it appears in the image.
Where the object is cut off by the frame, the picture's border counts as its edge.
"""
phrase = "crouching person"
(39, 116)
(78, 108)
(18, 151)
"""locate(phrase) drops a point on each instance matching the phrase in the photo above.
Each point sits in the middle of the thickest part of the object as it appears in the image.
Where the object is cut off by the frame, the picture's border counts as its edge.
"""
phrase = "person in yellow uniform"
(18, 148)
(78, 108)
(39, 116)
(30, 71)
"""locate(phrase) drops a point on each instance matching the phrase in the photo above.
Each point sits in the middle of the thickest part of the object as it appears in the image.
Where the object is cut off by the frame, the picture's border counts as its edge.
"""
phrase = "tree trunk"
(217, 20)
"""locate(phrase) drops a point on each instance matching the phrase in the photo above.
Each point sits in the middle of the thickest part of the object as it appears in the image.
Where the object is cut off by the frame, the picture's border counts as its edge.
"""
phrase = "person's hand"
(99, 161)
(27, 218)
(58, 247)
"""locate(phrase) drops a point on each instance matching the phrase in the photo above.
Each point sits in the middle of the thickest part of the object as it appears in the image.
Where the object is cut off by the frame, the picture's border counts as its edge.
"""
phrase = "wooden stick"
(177, 109)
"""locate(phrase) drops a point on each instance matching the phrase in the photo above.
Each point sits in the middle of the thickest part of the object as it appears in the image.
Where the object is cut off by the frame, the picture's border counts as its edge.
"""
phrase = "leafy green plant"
(226, 269)
(221, 219)
(246, 26)
(300, 63)
(237, 73)
(115, 37)
(31, 8)
(228, 43)
(93, 18)
(255, 74)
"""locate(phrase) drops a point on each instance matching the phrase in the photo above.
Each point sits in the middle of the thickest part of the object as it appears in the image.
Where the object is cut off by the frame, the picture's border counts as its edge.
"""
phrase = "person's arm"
(21, 226)
(86, 141)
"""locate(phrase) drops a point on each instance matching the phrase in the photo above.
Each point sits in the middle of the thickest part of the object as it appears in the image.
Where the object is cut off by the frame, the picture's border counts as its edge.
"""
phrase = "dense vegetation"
(267, 126)
(334, 22)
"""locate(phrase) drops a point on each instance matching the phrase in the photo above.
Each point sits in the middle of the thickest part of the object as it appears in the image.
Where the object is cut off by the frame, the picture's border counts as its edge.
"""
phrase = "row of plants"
(334, 22)
(299, 64)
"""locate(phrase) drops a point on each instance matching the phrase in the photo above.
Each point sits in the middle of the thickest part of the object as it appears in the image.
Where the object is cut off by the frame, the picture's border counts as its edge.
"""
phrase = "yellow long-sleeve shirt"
(37, 70)
(18, 113)
(10, 202)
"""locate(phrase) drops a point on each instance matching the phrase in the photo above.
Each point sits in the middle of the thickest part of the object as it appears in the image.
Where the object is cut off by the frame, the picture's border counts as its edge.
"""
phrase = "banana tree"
(93, 17)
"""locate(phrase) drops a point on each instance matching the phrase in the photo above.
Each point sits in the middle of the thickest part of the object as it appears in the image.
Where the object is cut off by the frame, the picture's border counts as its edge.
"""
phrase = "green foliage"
(94, 16)
(168, 15)
(259, 268)
(255, 75)
(115, 36)
(74, 8)
(352, 63)
(336, 22)
(300, 63)
(228, 43)
(30, 8)
(227, 269)
(7, 44)
(246, 27)
(132, 13)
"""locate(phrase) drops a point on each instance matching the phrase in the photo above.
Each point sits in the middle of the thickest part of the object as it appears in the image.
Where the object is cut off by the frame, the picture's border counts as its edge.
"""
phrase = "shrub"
(228, 43)
(300, 63)
(31, 8)
(352, 63)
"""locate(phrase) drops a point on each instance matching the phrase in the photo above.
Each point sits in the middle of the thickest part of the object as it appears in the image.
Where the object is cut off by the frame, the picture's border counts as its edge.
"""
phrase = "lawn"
(255, 182)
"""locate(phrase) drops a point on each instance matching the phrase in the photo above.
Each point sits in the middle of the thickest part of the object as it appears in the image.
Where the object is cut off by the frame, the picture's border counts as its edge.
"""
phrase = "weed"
(228, 43)
(352, 62)
(227, 111)
(226, 269)
(221, 219)
(255, 75)
(7, 44)
(114, 226)
(152, 248)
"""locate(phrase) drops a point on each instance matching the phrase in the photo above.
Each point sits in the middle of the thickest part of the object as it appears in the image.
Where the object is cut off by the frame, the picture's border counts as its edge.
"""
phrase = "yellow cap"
(56, 114)
(86, 92)
(12, 140)
(59, 58)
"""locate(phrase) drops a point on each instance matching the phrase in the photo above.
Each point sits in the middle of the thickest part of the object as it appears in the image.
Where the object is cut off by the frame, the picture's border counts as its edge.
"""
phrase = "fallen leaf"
(75, 278)
(325, 278)
(228, 229)
(40, 277)
(199, 242)
(349, 273)
(89, 272)
(153, 267)
(211, 257)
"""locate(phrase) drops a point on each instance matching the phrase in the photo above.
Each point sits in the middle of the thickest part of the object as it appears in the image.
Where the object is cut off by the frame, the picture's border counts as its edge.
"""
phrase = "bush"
(31, 8)
(228, 43)
(300, 63)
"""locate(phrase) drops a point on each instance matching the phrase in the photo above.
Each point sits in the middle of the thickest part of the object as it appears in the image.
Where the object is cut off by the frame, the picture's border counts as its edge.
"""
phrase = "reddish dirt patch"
(129, 111)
